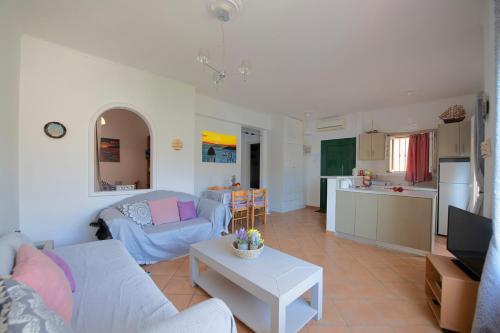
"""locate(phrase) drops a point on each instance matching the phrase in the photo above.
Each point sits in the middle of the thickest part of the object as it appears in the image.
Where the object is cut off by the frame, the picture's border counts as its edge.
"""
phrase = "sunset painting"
(110, 150)
(218, 148)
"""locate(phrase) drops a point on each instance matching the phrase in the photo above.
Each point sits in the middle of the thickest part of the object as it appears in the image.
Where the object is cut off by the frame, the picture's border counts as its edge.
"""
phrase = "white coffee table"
(264, 293)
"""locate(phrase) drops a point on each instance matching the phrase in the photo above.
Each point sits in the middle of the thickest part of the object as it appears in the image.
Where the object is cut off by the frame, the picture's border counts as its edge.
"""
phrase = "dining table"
(224, 196)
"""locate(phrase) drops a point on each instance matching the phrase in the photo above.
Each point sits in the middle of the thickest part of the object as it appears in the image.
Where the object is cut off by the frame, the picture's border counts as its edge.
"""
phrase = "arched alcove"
(123, 150)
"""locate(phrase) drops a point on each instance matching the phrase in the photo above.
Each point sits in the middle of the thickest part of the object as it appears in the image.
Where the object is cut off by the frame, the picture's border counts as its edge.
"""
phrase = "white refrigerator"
(454, 188)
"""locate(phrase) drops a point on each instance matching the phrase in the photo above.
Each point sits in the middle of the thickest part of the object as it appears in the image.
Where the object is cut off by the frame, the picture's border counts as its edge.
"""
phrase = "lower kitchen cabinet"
(345, 216)
(405, 221)
(366, 216)
(393, 219)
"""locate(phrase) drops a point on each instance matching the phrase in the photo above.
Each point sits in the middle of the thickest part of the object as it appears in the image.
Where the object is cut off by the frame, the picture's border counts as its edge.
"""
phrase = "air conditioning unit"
(331, 124)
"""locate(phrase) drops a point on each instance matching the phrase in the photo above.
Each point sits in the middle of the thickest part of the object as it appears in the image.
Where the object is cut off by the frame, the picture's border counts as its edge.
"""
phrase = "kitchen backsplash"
(399, 179)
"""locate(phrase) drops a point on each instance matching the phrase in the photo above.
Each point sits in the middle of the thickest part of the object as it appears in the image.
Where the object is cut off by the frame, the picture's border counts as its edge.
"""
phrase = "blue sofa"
(152, 243)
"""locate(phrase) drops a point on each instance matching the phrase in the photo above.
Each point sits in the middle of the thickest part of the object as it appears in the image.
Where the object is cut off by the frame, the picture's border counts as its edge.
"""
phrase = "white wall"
(9, 93)
(286, 164)
(391, 120)
(215, 174)
(60, 84)
(133, 133)
(214, 115)
(209, 107)
(489, 88)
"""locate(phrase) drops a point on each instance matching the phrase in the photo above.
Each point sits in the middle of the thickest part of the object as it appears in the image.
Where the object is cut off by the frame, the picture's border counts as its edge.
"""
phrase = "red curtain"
(417, 163)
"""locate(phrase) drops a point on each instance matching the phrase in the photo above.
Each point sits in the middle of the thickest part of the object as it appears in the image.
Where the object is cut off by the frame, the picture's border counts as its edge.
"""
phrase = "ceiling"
(326, 57)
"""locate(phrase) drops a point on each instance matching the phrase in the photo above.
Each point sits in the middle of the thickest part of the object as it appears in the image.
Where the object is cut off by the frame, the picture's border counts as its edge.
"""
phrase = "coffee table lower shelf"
(253, 312)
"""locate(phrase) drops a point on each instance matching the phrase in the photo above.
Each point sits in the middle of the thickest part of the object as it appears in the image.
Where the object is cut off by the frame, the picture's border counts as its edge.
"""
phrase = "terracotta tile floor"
(366, 288)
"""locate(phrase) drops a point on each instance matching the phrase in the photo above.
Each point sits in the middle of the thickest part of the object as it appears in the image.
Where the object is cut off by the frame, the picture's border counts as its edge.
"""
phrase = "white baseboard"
(389, 246)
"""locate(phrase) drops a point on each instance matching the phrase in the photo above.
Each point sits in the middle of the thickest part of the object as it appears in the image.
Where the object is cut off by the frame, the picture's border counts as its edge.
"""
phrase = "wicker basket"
(453, 114)
(247, 254)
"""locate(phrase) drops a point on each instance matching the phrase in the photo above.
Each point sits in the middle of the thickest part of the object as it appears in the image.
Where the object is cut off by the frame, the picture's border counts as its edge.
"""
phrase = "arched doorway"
(122, 151)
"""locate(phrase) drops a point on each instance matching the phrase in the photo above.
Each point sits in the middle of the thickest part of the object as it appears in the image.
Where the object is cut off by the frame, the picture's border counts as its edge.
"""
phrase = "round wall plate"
(54, 130)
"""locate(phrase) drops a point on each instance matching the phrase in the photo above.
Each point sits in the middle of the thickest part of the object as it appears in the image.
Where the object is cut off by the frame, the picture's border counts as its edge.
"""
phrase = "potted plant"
(248, 244)
(234, 184)
(255, 240)
(241, 239)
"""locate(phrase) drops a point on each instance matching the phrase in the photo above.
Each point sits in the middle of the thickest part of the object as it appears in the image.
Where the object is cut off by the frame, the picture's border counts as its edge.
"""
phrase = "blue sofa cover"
(151, 244)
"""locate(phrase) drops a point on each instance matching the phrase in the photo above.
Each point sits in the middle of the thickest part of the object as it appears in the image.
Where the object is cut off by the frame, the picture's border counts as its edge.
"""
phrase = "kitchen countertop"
(426, 193)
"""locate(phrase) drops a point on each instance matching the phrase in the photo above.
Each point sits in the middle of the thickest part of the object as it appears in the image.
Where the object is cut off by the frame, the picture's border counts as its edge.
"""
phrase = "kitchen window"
(398, 153)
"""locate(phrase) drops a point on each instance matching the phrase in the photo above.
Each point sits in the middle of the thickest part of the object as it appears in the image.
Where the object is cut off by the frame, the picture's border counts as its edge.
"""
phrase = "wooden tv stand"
(451, 293)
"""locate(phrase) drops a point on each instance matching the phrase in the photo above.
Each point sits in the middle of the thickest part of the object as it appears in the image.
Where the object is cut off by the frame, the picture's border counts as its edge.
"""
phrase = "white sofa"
(114, 294)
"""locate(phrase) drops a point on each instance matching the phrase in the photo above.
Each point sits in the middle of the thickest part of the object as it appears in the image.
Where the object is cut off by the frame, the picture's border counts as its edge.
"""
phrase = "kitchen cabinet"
(365, 146)
(405, 221)
(386, 219)
(345, 217)
(366, 216)
(372, 146)
(454, 139)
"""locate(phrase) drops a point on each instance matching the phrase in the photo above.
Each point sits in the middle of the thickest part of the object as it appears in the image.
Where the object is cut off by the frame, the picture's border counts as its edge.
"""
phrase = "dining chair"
(239, 207)
(258, 205)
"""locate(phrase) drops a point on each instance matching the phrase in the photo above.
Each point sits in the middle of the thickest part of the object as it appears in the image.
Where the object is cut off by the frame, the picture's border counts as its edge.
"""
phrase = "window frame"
(391, 154)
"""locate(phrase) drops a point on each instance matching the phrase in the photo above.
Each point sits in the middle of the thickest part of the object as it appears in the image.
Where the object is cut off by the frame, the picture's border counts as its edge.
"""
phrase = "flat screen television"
(468, 239)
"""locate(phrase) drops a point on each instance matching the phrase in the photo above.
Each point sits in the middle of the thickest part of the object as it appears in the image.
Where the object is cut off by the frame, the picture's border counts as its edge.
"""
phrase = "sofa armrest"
(215, 212)
(210, 316)
(111, 214)
(117, 222)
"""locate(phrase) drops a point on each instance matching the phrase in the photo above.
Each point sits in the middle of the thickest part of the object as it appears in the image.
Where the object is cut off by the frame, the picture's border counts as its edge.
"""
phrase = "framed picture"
(109, 150)
(218, 148)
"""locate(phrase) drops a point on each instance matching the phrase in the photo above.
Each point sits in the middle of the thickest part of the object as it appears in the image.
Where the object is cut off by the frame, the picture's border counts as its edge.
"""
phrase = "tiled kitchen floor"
(366, 288)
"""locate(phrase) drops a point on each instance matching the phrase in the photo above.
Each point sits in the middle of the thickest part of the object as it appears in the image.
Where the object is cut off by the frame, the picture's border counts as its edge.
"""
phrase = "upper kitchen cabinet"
(378, 146)
(454, 139)
(372, 146)
(365, 146)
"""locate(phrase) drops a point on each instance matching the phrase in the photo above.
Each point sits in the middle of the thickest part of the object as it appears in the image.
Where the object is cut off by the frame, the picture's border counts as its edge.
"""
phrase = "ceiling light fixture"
(223, 10)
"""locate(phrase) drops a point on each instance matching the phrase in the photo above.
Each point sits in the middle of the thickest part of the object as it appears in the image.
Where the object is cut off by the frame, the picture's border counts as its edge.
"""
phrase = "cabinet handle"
(463, 147)
(456, 148)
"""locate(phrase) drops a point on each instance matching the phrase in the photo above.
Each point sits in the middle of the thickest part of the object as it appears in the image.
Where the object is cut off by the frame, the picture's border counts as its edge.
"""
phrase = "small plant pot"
(254, 246)
(242, 246)
(246, 253)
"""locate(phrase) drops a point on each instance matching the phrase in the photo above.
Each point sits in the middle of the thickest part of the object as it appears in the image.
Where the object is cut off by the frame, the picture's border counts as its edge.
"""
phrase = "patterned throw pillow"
(23, 310)
(138, 212)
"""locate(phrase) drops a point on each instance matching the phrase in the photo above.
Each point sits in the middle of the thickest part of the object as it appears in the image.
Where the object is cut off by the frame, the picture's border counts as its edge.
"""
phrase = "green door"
(338, 158)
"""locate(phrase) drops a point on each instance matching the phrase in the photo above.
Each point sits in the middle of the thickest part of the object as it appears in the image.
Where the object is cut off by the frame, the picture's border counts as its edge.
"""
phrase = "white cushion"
(9, 244)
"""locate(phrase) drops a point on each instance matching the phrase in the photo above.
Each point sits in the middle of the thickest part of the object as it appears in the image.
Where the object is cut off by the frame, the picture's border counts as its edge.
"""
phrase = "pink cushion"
(187, 210)
(39, 272)
(164, 210)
